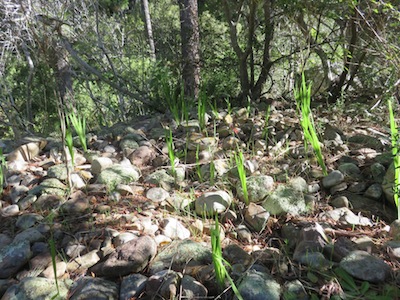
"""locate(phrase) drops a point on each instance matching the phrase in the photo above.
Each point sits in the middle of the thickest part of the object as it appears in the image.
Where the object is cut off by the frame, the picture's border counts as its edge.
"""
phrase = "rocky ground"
(126, 225)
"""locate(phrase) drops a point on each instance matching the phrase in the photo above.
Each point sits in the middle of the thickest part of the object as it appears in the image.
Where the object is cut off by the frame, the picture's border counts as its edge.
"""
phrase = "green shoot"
(220, 271)
(212, 172)
(396, 161)
(242, 174)
(171, 151)
(80, 128)
(302, 95)
(198, 167)
(70, 145)
(264, 134)
(201, 110)
(2, 167)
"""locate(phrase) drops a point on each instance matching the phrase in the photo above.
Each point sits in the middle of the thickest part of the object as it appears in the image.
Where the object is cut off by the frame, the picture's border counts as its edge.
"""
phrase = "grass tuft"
(395, 153)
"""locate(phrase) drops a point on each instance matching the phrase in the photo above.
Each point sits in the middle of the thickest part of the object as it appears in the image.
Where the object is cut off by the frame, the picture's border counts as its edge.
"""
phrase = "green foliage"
(171, 151)
(395, 153)
(70, 144)
(2, 169)
(79, 124)
(302, 95)
(239, 158)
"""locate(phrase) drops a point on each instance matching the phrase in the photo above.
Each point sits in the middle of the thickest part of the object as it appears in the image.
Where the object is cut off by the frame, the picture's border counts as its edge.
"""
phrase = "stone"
(123, 238)
(243, 233)
(28, 220)
(58, 171)
(50, 186)
(142, 156)
(374, 191)
(332, 179)
(234, 254)
(192, 289)
(38, 288)
(31, 235)
(157, 194)
(258, 286)
(295, 290)
(100, 163)
(340, 201)
(77, 182)
(367, 141)
(174, 229)
(132, 286)
(17, 192)
(61, 267)
(131, 257)
(4, 240)
(46, 201)
(211, 203)
(164, 283)
(177, 254)
(350, 171)
(258, 187)
(346, 217)
(161, 178)
(285, 199)
(26, 152)
(10, 211)
(80, 264)
(78, 203)
(94, 288)
(364, 266)
(116, 174)
(13, 257)
(378, 172)
(27, 201)
(256, 216)
(394, 231)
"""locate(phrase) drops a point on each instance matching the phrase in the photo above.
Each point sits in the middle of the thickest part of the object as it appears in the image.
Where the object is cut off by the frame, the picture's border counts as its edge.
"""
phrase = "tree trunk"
(190, 47)
(149, 29)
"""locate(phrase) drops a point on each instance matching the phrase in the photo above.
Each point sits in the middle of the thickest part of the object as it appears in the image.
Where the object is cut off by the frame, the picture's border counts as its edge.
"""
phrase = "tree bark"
(149, 29)
(190, 47)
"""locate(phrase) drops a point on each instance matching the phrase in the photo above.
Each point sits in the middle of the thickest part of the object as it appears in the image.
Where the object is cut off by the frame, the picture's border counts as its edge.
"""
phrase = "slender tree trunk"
(149, 29)
(190, 47)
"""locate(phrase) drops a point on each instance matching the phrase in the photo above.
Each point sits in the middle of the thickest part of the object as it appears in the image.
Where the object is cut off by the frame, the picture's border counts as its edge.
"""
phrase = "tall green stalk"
(79, 124)
(2, 168)
(302, 95)
(171, 151)
(395, 153)
(219, 262)
(239, 158)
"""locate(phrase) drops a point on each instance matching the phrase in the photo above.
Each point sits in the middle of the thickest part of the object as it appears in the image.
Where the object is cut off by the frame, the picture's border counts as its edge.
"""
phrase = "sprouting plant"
(201, 110)
(198, 166)
(171, 151)
(2, 168)
(264, 134)
(395, 153)
(212, 172)
(70, 144)
(214, 108)
(242, 173)
(302, 95)
(79, 124)
(218, 261)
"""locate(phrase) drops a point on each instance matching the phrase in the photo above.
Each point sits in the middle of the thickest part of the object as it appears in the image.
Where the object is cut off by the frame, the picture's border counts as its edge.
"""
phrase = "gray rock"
(178, 253)
(374, 191)
(378, 172)
(164, 283)
(258, 187)
(243, 233)
(367, 141)
(157, 194)
(78, 203)
(350, 171)
(346, 217)
(123, 238)
(142, 156)
(285, 199)
(100, 163)
(357, 187)
(132, 286)
(31, 235)
(50, 186)
(338, 188)
(27, 201)
(131, 257)
(192, 289)
(16, 193)
(116, 174)
(161, 178)
(174, 229)
(77, 182)
(394, 231)
(4, 240)
(10, 211)
(81, 263)
(13, 257)
(73, 249)
(364, 266)
(333, 178)
(234, 254)
(340, 201)
(212, 202)
(258, 286)
(58, 171)
(88, 288)
(38, 288)
(28, 220)
(295, 290)
(61, 267)
(256, 216)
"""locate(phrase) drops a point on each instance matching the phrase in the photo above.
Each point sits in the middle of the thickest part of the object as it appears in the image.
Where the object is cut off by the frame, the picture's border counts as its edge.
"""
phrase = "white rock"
(212, 202)
(174, 229)
(101, 163)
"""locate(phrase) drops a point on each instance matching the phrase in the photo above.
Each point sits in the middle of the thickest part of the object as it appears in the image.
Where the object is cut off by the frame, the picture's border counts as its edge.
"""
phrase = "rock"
(50, 186)
(77, 181)
(81, 263)
(129, 144)
(58, 171)
(61, 267)
(258, 286)
(192, 289)
(364, 266)
(17, 192)
(366, 141)
(123, 238)
(157, 194)
(38, 288)
(4, 240)
(340, 201)
(374, 191)
(28, 220)
(26, 152)
(31, 235)
(116, 174)
(378, 172)
(48, 202)
(394, 231)
(234, 254)
(13, 257)
(142, 156)
(256, 216)
(131, 257)
(285, 199)
(94, 288)
(78, 203)
(10, 211)
(333, 178)
(350, 171)
(132, 286)
(212, 202)
(346, 217)
(99, 164)
(178, 253)
(27, 201)
(230, 143)
(295, 290)
(164, 283)
(388, 184)
(243, 233)
(258, 187)
(338, 188)
(174, 229)
(161, 178)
